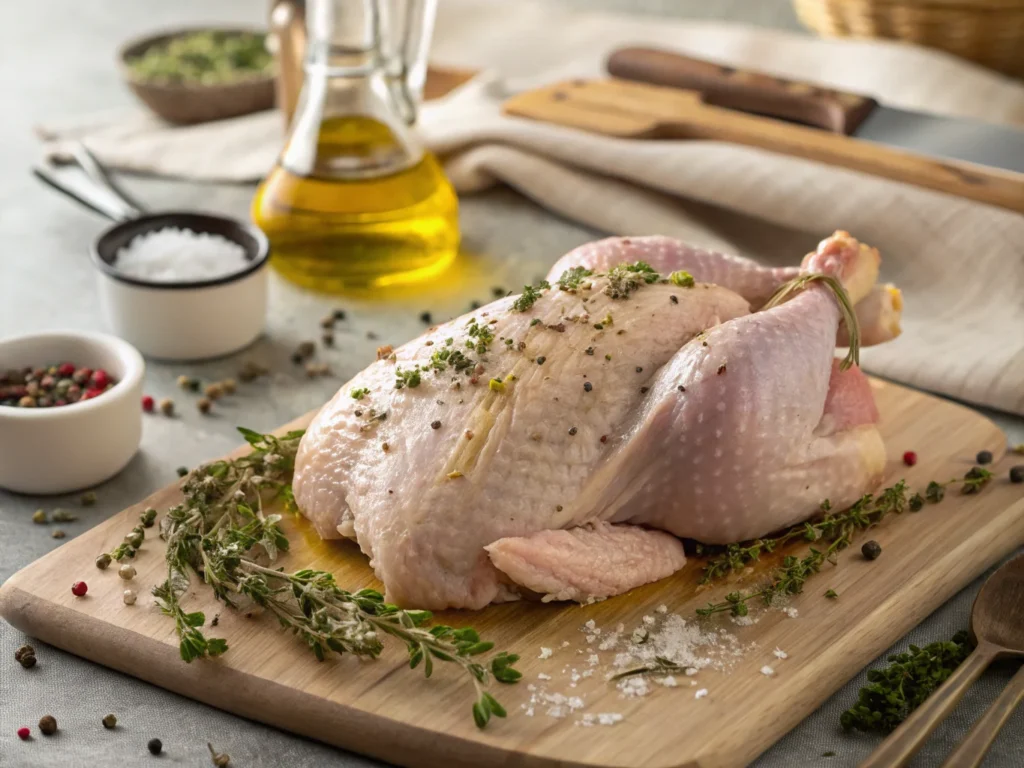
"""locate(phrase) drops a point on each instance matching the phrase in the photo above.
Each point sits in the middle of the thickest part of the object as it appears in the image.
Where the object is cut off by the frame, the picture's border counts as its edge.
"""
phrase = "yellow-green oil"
(330, 231)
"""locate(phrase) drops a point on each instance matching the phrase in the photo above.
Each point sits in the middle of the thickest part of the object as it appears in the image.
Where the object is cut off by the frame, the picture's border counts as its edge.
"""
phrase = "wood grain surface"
(383, 709)
(636, 110)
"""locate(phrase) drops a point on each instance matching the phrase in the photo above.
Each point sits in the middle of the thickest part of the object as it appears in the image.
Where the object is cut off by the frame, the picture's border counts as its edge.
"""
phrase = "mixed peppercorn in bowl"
(67, 425)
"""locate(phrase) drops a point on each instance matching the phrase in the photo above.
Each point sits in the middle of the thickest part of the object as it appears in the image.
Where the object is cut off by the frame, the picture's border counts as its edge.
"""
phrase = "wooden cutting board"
(383, 709)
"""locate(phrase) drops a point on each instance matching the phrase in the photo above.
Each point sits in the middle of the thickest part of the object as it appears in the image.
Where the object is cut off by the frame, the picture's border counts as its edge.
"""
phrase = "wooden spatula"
(632, 110)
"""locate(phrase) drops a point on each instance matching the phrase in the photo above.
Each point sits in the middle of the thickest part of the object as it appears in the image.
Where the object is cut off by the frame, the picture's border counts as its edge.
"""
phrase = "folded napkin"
(960, 264)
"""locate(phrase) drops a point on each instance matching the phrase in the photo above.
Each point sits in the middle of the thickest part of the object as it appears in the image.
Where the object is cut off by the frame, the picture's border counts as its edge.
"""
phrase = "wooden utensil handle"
(744, 90)
(972, 750)
(974, 182)
(897, 750)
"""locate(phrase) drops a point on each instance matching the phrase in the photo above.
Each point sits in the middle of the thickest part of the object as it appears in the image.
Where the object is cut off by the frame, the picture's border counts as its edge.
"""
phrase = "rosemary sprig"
(221, 532)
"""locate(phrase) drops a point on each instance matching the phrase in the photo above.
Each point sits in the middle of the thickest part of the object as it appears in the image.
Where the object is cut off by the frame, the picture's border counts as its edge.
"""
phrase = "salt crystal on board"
(701, 693)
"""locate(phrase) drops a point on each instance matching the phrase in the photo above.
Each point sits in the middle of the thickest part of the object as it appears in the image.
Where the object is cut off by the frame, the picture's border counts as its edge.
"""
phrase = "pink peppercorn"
(24, 733)
(66, 369)
(910, 458)
(79, 588)
(147, 403)
(100, 379)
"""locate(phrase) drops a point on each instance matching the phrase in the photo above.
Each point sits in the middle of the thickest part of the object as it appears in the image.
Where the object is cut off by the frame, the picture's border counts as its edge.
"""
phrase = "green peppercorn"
(134, 539)
(871, 550)
(916, 503)
(110, 721)
(204, 405)
(103, 561)
(182, 471)
(148, 517)
(155, 746)
(47, 725)
(167, 407)
(230, 386)
(88, 498)
(58, 533)
(39, 517)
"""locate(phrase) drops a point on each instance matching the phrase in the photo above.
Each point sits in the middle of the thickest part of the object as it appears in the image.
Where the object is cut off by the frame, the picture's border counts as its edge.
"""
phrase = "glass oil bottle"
(354, 200)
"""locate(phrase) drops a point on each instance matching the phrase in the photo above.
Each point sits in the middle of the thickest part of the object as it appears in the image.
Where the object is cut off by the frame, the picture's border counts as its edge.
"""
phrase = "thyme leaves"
(838, 529)
(222, 533)
(572, 279)
(901, 687)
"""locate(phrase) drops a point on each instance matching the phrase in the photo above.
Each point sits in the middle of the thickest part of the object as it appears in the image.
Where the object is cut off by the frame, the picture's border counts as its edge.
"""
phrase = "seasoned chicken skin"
(534, 445)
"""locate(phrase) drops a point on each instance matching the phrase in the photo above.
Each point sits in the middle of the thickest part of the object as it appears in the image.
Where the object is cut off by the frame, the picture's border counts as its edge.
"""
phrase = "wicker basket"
(989, 32)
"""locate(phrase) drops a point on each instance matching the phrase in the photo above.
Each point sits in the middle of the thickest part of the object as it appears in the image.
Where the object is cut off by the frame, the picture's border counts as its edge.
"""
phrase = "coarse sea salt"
(172, 254)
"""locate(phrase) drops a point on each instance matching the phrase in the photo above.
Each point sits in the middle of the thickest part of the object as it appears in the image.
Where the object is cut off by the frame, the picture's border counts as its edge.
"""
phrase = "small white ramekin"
(70, 447)
(184, 320)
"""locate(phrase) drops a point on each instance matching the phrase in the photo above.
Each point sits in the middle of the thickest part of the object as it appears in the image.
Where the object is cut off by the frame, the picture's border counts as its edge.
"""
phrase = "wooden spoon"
(997, 627)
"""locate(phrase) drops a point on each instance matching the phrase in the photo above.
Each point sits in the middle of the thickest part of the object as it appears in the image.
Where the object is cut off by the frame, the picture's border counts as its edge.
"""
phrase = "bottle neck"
(354, 114)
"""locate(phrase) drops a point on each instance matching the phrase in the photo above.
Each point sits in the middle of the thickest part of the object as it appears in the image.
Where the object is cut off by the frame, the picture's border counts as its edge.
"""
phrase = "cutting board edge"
(49, 629)
(371, 734)
(854, 653)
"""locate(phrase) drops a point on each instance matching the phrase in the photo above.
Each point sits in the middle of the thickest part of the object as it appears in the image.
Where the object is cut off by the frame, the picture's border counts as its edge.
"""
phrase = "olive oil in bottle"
(354, 201)
(329, 233)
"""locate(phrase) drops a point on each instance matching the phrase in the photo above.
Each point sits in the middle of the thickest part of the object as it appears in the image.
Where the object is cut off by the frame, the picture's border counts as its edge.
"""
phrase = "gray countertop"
(58, 61)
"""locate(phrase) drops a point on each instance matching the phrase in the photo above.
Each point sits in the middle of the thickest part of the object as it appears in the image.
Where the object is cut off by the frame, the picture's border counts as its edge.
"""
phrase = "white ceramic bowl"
(70, 447)
(184, 320)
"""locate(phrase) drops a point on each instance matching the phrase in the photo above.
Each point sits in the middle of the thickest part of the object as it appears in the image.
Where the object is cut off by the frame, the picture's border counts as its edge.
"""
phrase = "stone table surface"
(58, 60)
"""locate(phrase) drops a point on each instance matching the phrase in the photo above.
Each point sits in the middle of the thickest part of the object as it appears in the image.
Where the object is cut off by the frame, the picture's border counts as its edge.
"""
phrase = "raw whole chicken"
(561, 442)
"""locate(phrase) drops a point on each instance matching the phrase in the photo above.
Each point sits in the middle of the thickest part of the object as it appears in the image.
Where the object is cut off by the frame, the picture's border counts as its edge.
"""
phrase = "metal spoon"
(997, 627)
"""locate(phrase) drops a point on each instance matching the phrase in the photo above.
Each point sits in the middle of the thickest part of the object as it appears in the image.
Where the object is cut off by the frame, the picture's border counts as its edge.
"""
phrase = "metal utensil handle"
(976, 743)
(95, 170)
(92, 196)
(906, 740)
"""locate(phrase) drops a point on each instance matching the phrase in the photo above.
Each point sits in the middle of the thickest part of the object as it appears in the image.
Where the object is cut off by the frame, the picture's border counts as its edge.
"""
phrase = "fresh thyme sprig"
(836, 528)
(832, 527)
(660, 666)
(222, 533)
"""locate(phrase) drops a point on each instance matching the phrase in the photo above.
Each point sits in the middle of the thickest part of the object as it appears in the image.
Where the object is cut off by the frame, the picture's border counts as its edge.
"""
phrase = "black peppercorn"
(916, 503)
(425, 318)
(541, 359)
(573, 430)
(587, 386)
(435, 425)
(339, 314)
(1017, 474)
(871, 550)
(110, 721)
(47, 725)
(984, 457)
(155, 746)
(182, 471)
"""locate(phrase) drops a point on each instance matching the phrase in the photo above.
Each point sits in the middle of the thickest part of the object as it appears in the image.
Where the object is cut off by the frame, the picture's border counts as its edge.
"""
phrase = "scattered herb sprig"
(836, 528)
(222, 533)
